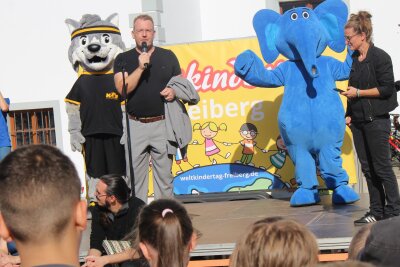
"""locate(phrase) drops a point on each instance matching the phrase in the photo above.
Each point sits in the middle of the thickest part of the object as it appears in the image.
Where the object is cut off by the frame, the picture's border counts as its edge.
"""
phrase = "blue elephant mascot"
(311, 117)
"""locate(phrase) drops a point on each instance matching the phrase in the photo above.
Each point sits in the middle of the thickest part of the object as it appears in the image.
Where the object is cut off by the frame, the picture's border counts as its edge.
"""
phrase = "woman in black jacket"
(371, 96)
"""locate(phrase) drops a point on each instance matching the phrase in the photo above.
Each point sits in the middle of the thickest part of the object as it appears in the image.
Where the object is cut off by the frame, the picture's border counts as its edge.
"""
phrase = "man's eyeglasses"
(147, 31)
(97, 194)
(252, 133)
(348, 38)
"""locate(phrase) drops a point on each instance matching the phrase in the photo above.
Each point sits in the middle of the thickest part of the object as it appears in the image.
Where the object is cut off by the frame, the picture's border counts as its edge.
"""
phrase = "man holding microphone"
(147, 70)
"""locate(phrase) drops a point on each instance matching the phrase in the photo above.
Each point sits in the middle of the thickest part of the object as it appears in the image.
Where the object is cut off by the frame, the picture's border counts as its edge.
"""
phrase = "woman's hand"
(95, 261)
(350, 93)
(348, 121)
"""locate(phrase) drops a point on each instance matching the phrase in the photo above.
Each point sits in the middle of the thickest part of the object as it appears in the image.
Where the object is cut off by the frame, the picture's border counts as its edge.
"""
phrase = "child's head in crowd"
(276, 242)
(357, 243)
(166, 234)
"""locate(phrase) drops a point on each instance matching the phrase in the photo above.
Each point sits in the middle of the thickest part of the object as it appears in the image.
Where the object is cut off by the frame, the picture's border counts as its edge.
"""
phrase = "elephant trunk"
(307, 51)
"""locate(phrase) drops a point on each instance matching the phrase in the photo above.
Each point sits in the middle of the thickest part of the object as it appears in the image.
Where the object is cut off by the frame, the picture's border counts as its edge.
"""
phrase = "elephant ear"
(333, 16)
(266, 27)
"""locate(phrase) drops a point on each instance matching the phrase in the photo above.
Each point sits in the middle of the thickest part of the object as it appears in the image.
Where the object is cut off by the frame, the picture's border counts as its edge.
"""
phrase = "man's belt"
(146, 119)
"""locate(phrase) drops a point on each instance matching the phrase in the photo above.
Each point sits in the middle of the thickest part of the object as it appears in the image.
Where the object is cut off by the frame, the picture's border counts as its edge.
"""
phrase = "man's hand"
(168, 93)
(144, 60)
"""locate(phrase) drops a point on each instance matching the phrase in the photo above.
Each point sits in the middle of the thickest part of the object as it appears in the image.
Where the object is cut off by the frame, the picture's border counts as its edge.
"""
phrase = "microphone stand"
(128, 133)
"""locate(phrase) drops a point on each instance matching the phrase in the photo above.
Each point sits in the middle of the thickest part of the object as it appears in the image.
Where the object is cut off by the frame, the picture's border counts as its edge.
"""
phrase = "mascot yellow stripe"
(94, 30)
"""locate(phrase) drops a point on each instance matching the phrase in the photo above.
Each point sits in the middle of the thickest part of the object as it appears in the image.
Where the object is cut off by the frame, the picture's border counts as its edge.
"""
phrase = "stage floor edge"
(222, 223)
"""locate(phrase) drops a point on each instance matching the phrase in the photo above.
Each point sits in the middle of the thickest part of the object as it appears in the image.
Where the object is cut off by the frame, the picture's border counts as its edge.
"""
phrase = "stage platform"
(221, 223)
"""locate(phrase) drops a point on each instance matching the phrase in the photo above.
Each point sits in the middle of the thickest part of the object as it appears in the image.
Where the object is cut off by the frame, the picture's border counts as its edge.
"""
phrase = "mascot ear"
(72, 25)
(265, 22)
(333, 16)
(113, 18)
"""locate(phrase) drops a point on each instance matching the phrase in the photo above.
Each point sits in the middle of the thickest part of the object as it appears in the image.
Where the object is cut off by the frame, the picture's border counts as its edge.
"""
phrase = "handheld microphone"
(144, 50)
(122, 65)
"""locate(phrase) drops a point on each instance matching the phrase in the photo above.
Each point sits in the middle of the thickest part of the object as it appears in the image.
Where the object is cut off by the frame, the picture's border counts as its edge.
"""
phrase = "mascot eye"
(293, 16)
(105, 38)
(83, 40)
(306, 15)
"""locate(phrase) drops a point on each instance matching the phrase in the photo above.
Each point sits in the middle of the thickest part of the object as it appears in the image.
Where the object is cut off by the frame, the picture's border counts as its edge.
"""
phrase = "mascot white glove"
(74, 127)
(123, 140)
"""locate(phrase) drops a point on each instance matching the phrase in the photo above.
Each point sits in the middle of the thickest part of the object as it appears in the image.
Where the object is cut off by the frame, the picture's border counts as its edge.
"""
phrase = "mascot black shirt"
(100, 104)
(145, 100)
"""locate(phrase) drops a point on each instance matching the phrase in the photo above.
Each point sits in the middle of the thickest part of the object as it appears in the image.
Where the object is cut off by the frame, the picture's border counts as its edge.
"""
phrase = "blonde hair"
(279, 242)
(357, 243)
(361, 23)
(142, 17)
(212, 125)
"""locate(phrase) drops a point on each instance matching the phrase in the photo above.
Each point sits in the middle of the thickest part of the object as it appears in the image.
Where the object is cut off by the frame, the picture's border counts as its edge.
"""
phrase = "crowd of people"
(42, 212)
(49, 232)
(161, 234)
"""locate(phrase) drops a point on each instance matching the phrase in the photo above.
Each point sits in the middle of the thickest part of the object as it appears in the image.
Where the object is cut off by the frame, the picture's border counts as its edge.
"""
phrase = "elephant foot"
(344, 194)
(304, 197)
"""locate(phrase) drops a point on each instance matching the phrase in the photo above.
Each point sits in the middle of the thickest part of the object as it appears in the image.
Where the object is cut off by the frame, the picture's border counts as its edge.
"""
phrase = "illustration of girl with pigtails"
(209, 130)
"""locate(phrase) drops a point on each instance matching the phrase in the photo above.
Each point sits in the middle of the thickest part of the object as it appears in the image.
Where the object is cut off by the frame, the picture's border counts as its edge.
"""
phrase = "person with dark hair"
(371, 95)
(165, 234)
(382, 247)
(41, 209)
(113, 218)
(276, 242)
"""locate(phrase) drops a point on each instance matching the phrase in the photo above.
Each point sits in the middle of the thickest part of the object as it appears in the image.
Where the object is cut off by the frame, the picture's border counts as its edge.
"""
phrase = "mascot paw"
(77, 140)
(344, 194)
(243, 62)
(304, 197)
(122, 141)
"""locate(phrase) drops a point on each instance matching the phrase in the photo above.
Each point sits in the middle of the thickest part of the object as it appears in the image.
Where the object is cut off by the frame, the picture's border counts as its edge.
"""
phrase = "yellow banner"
(236, 144)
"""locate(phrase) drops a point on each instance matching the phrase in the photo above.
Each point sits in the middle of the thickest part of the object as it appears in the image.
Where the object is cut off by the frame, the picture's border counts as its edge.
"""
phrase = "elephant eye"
(306, 15)
(293, 16)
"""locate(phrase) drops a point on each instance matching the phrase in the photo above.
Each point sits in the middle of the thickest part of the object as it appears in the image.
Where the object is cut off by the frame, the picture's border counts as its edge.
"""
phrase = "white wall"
(203, 20)
(34, 50)
(228, 18)
(182, 21)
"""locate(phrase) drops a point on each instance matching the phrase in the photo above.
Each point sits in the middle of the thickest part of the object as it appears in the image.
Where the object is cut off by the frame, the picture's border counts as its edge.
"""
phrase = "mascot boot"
(307, 191)
(304, 197)
(344, 194)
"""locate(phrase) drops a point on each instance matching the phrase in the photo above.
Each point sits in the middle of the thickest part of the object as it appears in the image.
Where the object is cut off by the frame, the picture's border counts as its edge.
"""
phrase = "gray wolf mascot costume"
(93, 104)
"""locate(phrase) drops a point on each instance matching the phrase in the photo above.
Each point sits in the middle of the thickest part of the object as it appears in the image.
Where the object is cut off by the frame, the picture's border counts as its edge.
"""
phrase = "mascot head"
(301, 33)
(94, 42)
